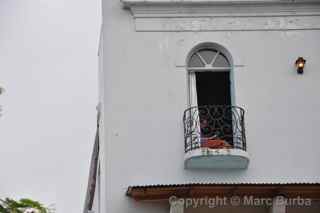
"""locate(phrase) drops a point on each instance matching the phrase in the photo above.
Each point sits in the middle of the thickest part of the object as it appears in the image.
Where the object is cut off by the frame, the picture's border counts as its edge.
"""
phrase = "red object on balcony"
(215, 144)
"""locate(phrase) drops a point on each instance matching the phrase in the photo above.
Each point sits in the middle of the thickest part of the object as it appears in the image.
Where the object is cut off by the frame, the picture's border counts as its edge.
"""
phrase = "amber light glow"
(300, 63)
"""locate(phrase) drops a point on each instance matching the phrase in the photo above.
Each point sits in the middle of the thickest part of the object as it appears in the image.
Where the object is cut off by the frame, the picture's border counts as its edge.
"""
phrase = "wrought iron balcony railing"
(215, 126)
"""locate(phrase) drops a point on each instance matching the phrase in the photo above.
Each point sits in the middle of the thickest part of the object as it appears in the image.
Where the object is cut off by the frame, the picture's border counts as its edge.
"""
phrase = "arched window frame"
(209, 67)
(194, 121)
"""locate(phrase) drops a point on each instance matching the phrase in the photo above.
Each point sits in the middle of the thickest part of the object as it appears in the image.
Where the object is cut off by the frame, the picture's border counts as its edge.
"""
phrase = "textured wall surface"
(145, 94)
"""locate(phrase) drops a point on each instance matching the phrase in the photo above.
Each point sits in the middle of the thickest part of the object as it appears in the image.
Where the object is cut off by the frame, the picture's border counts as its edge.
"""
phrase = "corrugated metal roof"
(221, 184)
(164, 192)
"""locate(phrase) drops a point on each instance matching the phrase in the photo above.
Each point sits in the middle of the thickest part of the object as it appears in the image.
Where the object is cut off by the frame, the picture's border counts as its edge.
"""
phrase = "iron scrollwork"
(225, 123)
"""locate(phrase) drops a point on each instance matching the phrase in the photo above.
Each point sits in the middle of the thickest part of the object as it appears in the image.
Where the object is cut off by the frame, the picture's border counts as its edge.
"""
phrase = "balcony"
(214, 138)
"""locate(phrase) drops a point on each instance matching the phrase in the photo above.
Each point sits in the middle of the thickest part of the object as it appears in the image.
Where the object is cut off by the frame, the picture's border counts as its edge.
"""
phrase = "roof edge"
(164, 192)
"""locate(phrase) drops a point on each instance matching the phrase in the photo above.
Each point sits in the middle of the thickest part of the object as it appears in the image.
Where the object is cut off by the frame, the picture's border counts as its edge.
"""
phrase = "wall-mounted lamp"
(300, 63)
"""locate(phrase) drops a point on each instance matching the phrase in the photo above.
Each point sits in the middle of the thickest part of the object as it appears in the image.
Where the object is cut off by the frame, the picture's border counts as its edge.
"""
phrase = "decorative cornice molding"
(195, 24)
(220, 15)
(130, 3)
(224, 10)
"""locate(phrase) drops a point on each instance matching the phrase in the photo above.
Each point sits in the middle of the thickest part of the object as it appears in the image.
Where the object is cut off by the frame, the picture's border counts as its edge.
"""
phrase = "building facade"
(206, 98)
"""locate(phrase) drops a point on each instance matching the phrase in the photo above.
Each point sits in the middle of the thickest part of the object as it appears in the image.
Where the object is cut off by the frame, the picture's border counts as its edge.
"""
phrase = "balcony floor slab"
(204, 158)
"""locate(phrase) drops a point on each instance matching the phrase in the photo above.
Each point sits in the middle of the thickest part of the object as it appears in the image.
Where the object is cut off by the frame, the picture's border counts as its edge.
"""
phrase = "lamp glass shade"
(300, 62)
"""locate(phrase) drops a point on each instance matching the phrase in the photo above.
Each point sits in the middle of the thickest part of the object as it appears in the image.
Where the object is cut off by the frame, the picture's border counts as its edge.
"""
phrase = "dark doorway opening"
(213, 88)
(214, 104)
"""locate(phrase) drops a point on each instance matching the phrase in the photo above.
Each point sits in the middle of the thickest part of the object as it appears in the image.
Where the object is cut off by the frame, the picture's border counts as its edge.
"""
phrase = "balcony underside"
(204, 158)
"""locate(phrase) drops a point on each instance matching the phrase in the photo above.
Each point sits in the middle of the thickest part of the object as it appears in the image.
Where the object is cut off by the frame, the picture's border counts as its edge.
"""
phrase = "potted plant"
(214, 142)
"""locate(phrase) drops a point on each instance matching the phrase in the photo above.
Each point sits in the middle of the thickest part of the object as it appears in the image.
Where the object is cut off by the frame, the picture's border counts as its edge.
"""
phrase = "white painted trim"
(192, 70)
(211, 69)
(278, 205)
(210, 45)
(176, 206)
(240, 15)
(130, 3)
(185, 47)
(193, 101)
(184, 9)
(229, 156)
(221, 24)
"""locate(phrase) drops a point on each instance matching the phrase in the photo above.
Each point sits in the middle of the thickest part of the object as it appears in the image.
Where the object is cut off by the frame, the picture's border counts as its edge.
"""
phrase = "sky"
(48, 67)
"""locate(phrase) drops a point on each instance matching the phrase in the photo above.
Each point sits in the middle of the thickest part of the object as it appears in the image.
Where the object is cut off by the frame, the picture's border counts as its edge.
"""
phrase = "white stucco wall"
(48, 66)
(146, 94)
